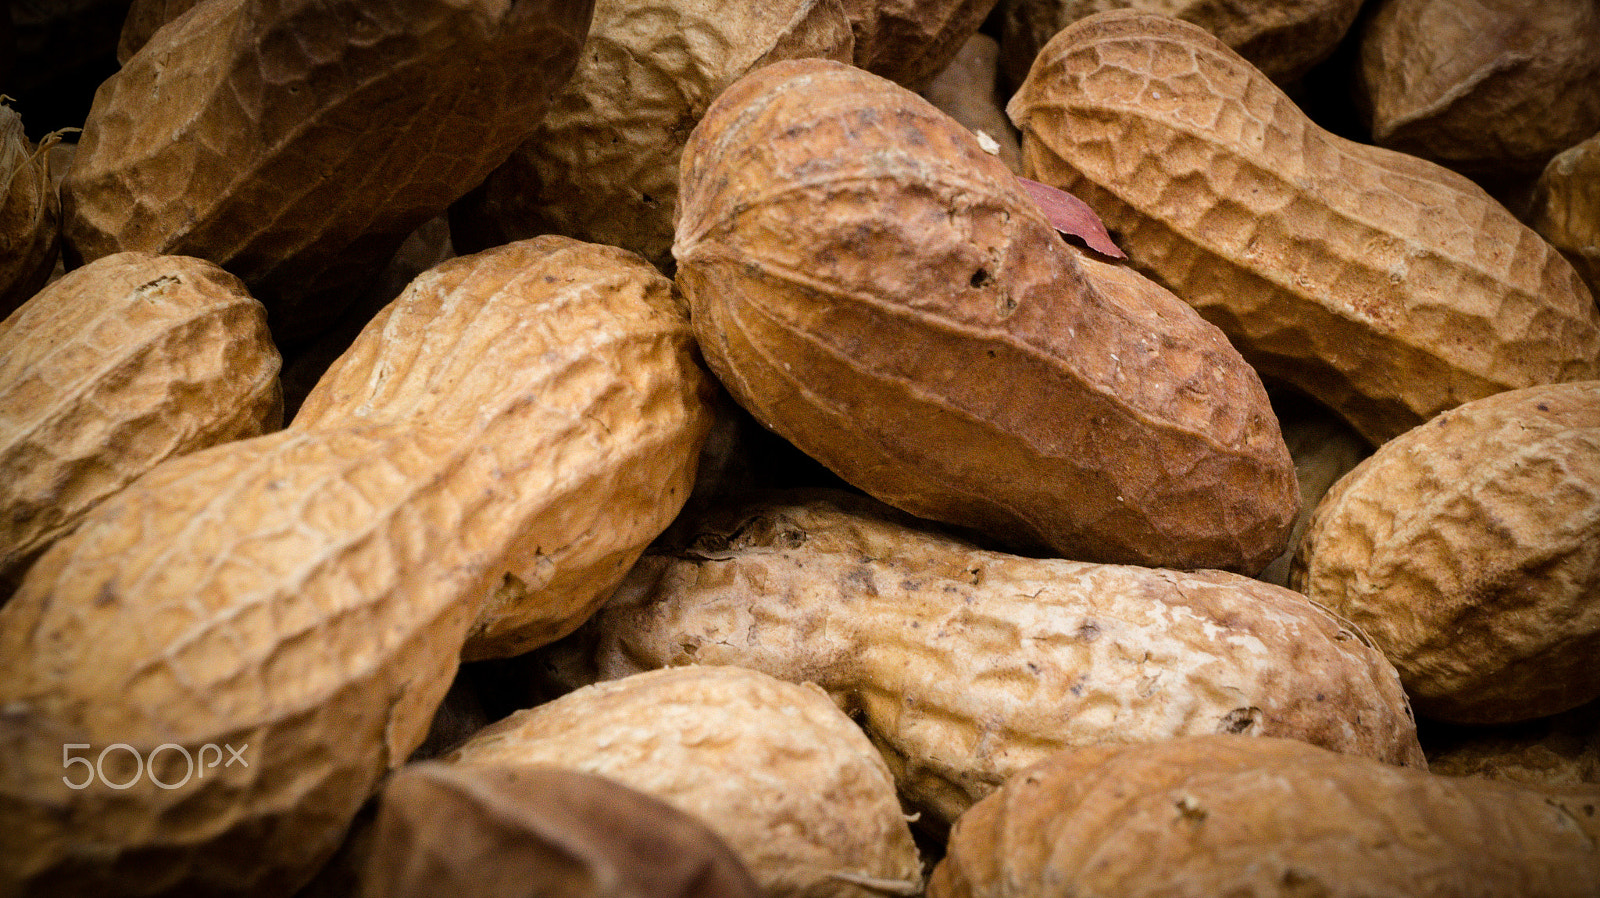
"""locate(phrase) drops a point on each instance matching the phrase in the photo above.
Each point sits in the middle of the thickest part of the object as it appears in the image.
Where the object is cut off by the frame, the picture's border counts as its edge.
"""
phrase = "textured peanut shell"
(773, 767)
(250, 134)
(30, 214)
(599, 343)
(603, 163)
(307, 593)
(1386, 287)
(873, 286)
(967, 91)
(910, 41)
(1224, 815)
(1486, 87)
(143, 19)
(1559, 750)
(1469, 549)
(1566, 208)
(494, 830)
(964, 666)
(116, 367)
(1282, 38)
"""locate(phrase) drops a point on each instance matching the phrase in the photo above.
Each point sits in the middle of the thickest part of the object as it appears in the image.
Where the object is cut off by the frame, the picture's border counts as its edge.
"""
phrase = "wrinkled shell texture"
(1469, 549)
(447, 829)
(1386, 287)
(307, 593)
(911, 41)
(30, 214)
(965, 666)
(596, 341)
(1566, 208)
(272, 594)
(112, 369)
(1483, 86)
(873, 286)
(230, 135)
(603, 164)
(1266, 817)
(787, 780)
(1282, 38)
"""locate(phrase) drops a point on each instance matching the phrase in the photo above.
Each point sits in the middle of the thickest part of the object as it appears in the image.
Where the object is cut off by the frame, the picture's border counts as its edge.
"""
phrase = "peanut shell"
(1232, 816)
(126, 362)
(603, 164)
(1566, 208)
(298, 142)
(306, 593)
(1384, 286)
(30, 214)
(1469, 549)
(1487, 87)
(876, 288)
(600, 345)
(1282, 38)
(492, 830)
(964, 665)
(773, 767)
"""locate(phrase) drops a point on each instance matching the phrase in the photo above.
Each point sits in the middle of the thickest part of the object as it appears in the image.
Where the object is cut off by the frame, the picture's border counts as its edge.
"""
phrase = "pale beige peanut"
(298, 142)
(307, 593)
(967, 665)
(1384, 286)
(783, 776)
(603, 164)
(116, 367)
(1231, 816)
(873, 286)
(1566, 207)
(1469, 548)
(597, 341)
(1283, 38)
(1488, 87)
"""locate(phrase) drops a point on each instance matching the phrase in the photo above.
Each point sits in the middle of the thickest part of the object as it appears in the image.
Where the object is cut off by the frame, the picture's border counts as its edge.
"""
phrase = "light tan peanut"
(446, 829)
(1487, 87)
(308, 593)
(30, 213)
(600, 347)
(122, 364)
(876, 288)
(1469, 548)
(1282, 38)
(297, 142)
(1233, 816)
(1566, 208)
(1384, 286)
(965, 665)
(773, 767)
(603, 164)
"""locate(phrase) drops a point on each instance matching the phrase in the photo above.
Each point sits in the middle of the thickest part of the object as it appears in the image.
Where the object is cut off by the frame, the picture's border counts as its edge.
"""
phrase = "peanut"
(1384, 286)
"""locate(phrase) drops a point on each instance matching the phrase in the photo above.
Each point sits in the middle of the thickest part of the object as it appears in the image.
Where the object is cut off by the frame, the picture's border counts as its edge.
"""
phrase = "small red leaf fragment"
(1070, 215)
